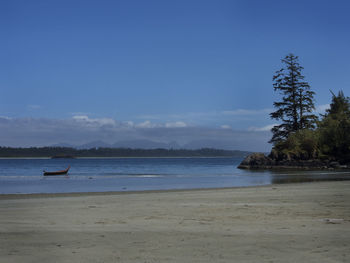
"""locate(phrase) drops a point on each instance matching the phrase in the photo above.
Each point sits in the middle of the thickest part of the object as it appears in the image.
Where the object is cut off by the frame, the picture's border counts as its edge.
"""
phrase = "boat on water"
(57, 172)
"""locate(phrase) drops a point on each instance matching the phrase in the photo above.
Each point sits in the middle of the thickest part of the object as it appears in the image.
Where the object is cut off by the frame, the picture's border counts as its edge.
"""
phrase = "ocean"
(23, 176)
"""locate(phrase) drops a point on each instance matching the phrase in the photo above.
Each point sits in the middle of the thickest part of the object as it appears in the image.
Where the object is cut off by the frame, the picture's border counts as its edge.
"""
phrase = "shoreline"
(108, 193)
(121, 157)
(297, 222)
(7, 196)
(131, 192)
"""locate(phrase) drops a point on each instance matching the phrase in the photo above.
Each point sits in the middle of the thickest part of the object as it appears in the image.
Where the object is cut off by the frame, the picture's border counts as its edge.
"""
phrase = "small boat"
(57, 172)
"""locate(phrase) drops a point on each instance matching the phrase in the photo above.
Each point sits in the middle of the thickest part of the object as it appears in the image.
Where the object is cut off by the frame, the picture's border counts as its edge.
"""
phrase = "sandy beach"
(307, 222)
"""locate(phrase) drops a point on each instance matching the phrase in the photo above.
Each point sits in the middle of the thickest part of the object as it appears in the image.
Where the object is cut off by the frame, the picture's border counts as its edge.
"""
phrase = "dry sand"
(307, 222)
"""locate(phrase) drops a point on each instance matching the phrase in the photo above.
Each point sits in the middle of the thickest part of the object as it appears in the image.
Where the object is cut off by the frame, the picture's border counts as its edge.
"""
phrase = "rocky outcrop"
(261, 161)
(256, 161)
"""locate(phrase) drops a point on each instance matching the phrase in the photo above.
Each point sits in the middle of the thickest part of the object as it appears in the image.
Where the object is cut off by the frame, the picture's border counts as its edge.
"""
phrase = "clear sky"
(181, 65)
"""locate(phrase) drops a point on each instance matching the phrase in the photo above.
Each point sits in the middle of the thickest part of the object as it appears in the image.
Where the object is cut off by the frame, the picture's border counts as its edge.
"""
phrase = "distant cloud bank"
(81, 129)
(264, 128)
(230, 129)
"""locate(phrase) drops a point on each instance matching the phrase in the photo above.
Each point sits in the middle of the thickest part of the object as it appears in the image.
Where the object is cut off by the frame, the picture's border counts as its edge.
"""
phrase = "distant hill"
(116, 152)
(217, 144)
(94, 144)
(145, 144)
(149, 144)
(66, 145)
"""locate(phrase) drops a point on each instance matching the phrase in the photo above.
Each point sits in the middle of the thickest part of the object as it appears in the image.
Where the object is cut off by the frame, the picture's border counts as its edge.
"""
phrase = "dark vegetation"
(59, 152)
(303, 139)
(330, 140)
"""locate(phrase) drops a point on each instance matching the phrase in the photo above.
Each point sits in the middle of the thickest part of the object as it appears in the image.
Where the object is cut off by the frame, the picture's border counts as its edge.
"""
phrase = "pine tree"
(295, 109)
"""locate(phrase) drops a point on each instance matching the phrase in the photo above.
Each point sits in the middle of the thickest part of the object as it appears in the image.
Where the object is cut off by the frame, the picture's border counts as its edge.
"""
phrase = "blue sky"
(162, 64)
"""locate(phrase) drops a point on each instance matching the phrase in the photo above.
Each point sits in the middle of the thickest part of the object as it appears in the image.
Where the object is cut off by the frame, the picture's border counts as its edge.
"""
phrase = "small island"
(303, 140)
(62, 157)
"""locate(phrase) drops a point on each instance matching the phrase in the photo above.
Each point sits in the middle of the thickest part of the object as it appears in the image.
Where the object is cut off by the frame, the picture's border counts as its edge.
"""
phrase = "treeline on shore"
(61, 152)
(303, 139)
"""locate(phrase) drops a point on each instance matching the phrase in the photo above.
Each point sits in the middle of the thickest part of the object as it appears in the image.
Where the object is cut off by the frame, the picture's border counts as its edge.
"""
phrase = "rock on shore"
(261, 161)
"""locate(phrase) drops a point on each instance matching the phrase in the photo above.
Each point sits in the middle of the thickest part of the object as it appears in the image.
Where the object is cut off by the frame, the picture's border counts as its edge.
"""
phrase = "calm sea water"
(134, 174)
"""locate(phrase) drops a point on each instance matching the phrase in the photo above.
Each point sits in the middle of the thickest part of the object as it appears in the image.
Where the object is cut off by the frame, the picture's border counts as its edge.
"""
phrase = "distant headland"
(67, 152)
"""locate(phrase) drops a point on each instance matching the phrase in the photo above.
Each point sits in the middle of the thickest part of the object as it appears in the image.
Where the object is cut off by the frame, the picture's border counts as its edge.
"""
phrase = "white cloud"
(5, 118)
(146, 124)
(24, 132)
(96, 122)
(322, 108)
(81, 118)
(178, 124)
(129, 123)
(206, 115)
(108, 121)
(264, 128)
(225, 126)
(149, 124)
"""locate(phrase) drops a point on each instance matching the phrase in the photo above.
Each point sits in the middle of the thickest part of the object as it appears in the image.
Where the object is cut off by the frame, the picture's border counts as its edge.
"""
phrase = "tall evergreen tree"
(295, 109)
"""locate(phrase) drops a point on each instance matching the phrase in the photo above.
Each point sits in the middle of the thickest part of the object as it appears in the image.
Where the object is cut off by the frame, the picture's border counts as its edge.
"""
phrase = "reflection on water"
(301, 176)
(312, 177)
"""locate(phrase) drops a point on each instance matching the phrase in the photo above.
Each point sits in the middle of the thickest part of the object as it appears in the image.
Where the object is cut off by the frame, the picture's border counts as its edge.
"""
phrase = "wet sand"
(307, 222)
